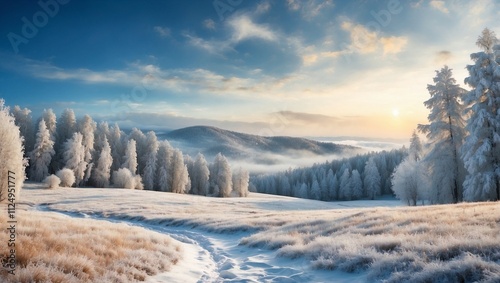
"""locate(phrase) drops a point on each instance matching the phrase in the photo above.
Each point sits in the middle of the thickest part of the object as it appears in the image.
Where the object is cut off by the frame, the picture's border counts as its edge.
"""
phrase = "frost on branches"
(481, 150)
(74, 157)
(221, 182)
(408, 180)
(372, 179)
(41, 155)
(102, 173)
(445, 134)
(200, 176)
(11, 155)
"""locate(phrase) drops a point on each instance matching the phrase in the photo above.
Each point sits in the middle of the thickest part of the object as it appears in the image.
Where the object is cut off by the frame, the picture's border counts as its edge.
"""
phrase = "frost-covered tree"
(66, 127)
(345, 188)
(118, 145)
(74, 157)
(141, 140)
(24, 121)
(42, 154)
(150, 160)
(406, 182)
(179, 179)
(102, 133)
(87, 127)
(323, 185)
(102, 172)
(50, 122)
(487, 41)
(415, 151)
(333, 185)
(189, 162)
(286, 188)
(221, 176)
(315, 190)
(481, 149)
(130, 159)
(12, 162)
(163, 168)
(240, 182)
(408, 179)
(372, 179)
(302, 191)
(356, 185)
(200, 176)
(50, 119)
(445, 134)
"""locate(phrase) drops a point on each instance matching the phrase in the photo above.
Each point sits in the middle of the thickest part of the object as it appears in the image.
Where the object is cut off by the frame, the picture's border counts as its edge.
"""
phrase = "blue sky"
(302, 68)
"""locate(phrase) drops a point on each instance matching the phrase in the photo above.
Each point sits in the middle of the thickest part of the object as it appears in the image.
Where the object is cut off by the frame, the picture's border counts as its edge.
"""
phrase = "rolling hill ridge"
(211, 140)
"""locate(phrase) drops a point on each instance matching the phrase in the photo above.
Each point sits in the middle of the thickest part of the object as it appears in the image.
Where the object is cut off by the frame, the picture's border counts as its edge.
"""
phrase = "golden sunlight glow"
(395, 112)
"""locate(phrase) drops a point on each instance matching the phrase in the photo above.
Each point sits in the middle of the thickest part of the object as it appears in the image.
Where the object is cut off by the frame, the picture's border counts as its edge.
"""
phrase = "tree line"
(362, 176)
(80, 152)
(460, 161)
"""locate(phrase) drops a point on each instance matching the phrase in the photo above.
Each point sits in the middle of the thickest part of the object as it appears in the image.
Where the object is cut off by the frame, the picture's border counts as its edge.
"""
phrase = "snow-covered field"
(266, 238)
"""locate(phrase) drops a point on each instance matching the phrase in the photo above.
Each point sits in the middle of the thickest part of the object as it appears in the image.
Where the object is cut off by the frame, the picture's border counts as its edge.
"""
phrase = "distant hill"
(259, 149)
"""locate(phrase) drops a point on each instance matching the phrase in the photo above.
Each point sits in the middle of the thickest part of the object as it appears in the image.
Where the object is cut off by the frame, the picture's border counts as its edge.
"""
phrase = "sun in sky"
(326, 68)
(395, 112)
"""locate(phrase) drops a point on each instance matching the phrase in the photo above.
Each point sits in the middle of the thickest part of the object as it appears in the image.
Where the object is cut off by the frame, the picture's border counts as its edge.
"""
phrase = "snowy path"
(213, 257)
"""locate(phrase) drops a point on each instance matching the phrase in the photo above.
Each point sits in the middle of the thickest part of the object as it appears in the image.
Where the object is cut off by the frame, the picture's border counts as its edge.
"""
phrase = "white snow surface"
(209, 229)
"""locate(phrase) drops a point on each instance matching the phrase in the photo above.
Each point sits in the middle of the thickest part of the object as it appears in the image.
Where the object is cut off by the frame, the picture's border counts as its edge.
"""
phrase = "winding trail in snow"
(213, 257)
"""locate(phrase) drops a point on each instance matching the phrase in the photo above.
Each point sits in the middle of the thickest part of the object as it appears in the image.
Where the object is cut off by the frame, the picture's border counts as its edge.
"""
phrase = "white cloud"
(364, 41)
(309, 9)
(199, 81)
(439, 5)
(331, 54)
(211, 46)
(162, 31)
(244, 28)
(310, 59)
(293, 5)
(416, 4)
(313, 8)
(209, 24)
(45, 70)
(263, 7)
(393, 44)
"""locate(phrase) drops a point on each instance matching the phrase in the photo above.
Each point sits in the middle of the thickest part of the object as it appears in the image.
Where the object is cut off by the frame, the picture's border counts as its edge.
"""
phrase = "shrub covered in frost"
(52, 181)
(67, 177)
(123, 178)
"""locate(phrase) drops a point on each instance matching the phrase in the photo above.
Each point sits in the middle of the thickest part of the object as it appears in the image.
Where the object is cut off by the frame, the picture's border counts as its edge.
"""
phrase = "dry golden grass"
(54, 248)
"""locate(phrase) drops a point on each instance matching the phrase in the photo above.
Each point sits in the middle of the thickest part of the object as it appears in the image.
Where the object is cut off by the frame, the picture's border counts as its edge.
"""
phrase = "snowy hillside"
(265, 238)
(259, 149)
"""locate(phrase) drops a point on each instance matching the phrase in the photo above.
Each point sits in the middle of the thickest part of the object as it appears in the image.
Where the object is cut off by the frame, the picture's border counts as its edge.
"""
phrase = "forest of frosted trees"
(67, 152)
(364, 176)
(459, 160)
